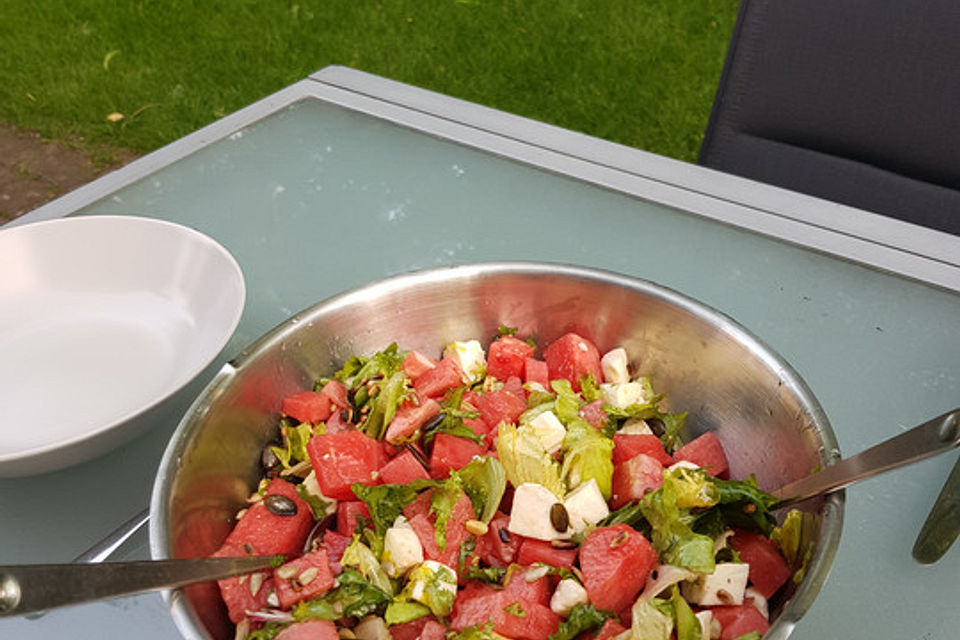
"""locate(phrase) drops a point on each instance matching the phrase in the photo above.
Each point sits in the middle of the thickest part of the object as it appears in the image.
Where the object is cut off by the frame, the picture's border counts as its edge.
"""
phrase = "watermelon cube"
(615, 562)
(303, 578)
(707, 452)
(768, 569)
(341, 459)
(634, 478)
(573, 357)
(506, 357)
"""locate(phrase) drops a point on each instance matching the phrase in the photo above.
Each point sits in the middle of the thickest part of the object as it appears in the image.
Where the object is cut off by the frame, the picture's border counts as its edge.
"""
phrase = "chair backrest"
(855, 101)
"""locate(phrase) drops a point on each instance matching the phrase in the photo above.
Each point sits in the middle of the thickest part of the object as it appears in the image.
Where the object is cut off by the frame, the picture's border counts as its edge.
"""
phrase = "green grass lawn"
(639, 72)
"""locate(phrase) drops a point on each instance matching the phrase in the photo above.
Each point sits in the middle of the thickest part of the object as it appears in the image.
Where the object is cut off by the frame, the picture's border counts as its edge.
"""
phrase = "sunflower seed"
(476, 527)
(280, 505)
(286, 572)
(308, 576)
(559, 517)
(563, 544)
(620, 539)
(533, 575)
(256, 581)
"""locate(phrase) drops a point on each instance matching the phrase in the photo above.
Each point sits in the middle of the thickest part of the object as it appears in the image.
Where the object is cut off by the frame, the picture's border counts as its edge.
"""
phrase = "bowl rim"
(41, 458)
(820, 562)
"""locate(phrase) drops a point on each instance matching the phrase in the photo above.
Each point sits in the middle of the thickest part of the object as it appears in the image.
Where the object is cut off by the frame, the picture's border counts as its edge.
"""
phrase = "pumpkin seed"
(433, 422)
(280, 505)
(418, 454)
(559, 517)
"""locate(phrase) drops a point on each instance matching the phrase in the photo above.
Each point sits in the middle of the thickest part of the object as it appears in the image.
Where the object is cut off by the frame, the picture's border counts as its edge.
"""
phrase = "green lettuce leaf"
(477, 632)
(386, 502)
(490, 575)
(268, 631)
(485, 481)
(630, 514)
(318, 505)
(352, 597)
(648, 622)
(568, 402)
(693, 488)
(444, 499)
(525, 460)
(401, 611)
(358, 370)
(439, 587)
(587, 454)
(384, 404)
(744, 505)
(796, 537)
(377, 385)
(295, 438)
(453, 416)
(687, 625)
(671, 530)
(361, 557)
(581, 619)
(589, 389)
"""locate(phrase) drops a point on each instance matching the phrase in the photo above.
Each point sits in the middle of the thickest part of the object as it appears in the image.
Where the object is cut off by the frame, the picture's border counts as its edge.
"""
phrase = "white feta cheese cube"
(568, 594)
(614, 366)
(636, 427)
(311, 486)
(724, 586)
(401, 551)
(623, 394)
(469, 356)
(585, 505)
(530, 513)
(549, 431)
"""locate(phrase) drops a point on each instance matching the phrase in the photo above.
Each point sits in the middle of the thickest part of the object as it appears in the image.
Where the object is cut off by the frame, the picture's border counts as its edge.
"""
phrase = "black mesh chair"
(854, 101)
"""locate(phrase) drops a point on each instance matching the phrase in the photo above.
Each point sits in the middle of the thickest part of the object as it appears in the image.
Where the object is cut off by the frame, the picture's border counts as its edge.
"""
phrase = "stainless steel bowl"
(729, 382)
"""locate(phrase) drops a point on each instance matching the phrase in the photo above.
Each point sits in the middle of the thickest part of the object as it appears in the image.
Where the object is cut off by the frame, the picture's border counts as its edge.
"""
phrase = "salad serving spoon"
(28, 589)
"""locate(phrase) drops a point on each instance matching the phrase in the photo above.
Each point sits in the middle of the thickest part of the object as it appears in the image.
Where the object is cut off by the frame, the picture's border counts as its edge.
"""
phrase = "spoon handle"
(943, 524)
(28, 588)
(930, 438)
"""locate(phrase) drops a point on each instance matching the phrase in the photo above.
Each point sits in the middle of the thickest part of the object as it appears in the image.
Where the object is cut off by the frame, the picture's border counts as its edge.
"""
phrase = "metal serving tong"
(38, 587)
(32, 588)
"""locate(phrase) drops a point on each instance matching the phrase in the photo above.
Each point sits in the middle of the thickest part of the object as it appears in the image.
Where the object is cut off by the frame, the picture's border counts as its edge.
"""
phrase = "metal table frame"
(891, 245)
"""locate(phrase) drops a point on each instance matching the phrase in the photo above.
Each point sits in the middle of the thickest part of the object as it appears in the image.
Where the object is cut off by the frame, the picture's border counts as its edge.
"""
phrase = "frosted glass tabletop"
(314, 198)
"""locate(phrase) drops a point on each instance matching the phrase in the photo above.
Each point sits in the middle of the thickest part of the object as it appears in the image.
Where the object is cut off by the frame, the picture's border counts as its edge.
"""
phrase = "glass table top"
(315, 199)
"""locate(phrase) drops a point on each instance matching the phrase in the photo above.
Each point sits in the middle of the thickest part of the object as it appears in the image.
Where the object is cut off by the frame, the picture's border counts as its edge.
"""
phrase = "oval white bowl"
(101, 319)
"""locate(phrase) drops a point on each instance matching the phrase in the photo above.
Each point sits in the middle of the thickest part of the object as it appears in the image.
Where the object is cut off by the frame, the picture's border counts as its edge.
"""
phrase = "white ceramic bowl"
(101, 319)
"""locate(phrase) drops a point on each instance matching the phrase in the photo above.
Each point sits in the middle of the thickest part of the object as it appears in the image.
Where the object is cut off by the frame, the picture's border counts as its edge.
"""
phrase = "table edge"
(897, 247)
